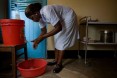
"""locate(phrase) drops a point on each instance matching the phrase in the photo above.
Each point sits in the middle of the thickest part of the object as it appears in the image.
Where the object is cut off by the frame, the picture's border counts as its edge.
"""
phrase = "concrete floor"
(75, 68)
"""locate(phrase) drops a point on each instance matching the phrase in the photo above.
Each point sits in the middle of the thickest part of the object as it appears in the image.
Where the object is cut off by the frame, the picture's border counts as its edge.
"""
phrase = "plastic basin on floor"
(32, 67)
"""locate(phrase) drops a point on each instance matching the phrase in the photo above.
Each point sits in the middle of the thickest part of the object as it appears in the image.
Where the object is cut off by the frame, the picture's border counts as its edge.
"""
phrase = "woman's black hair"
(32, 9)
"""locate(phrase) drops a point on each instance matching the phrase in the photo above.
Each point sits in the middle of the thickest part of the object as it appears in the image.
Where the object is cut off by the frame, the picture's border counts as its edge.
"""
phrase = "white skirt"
(69, 34)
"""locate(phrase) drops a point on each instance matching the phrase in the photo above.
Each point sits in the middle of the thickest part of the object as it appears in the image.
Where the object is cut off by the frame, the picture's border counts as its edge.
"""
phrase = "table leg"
(25, 53)
(14, 68)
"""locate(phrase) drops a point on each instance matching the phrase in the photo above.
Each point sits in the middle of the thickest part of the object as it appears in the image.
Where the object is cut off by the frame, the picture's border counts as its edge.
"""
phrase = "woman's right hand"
(37, 41)
(34, 43)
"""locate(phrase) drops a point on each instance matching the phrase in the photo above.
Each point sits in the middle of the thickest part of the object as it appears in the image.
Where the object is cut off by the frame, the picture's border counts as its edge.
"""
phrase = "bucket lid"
(11, 22)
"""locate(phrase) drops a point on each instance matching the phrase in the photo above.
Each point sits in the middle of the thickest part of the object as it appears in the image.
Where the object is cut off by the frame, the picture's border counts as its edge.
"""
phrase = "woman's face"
(35, 17)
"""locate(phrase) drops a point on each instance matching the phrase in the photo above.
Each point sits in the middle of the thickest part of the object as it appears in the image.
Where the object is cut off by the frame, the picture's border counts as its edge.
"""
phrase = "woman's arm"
(40, 37)
(44, 34)
(57, 28)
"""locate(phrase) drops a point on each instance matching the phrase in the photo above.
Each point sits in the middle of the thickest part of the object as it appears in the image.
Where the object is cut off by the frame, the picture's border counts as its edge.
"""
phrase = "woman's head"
(32, 11)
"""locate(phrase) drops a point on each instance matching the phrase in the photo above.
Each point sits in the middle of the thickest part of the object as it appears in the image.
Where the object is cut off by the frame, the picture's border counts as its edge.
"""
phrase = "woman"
(65, 32)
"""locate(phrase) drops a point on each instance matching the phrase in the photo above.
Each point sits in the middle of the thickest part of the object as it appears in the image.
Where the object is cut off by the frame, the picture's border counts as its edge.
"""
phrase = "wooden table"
(13, 50)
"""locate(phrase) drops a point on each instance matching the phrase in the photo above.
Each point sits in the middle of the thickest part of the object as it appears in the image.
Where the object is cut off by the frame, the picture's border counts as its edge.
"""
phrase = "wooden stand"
(13, 50)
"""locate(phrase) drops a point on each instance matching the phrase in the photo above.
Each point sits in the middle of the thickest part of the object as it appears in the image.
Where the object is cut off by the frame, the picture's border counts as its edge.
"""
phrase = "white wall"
(103, 10)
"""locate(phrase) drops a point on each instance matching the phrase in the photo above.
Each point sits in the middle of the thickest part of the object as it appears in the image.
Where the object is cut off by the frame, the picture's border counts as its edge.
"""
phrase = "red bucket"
(12, 31)
(32, 68)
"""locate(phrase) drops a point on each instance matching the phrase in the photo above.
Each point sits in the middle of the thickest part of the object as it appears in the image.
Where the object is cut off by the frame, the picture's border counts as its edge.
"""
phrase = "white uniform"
(69, 34)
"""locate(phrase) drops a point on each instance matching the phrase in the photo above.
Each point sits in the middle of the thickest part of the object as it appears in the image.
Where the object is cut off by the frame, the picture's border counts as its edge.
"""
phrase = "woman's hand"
(37, 41)
(40, 38)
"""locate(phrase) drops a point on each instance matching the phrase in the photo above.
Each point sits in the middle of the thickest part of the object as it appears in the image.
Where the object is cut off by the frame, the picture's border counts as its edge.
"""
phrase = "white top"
(69, 34)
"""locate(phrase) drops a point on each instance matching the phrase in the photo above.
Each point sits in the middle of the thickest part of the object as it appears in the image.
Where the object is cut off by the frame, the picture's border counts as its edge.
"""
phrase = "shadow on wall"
(75, 47)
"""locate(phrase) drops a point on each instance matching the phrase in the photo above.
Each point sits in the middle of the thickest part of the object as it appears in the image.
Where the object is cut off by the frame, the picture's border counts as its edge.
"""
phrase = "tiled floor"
(75, 68)
(98, 67)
